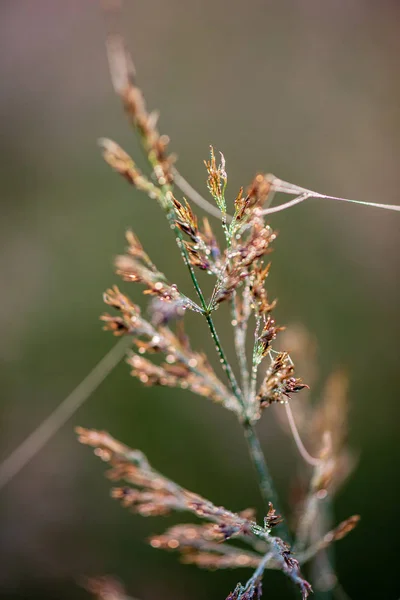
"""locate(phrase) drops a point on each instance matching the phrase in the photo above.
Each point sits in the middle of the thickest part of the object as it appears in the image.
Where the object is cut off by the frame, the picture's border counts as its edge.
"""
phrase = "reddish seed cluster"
(146, 123)
(279, 382)
(183, 367)
(201, 545)
(153, 494)
(203, 250)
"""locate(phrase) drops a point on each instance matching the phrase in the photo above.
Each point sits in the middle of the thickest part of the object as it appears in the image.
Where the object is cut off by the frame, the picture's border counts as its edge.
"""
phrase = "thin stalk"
(257, 575)
(323, 564)
(224, 361)
(255, 364)
(239, 333)
(36, 440)
(311, 460)
(266, 485)
(305, 523)
(195, 197)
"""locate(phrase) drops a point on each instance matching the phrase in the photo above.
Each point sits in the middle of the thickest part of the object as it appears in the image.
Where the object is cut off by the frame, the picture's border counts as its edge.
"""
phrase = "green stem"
(267, 488)
(224, 361)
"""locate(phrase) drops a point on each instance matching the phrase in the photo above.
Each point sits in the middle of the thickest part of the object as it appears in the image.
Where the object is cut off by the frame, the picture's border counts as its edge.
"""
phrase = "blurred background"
(304, 89)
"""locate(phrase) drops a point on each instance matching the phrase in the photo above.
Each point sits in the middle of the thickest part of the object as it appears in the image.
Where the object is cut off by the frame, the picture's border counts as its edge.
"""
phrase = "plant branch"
(239, 333)
(123, 76)
(266, 485)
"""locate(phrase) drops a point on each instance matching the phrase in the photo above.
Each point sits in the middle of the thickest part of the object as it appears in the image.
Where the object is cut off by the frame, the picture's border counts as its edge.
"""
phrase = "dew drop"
(321, 494)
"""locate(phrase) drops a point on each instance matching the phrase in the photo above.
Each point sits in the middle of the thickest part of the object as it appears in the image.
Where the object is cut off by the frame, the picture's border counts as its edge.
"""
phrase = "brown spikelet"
(217, 178)
(272, 519)
(342, 529)
(259, 190)
(279, 382)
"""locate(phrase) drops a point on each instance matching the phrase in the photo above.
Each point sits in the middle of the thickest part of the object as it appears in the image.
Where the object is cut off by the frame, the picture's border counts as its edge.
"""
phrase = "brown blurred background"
(305, 89)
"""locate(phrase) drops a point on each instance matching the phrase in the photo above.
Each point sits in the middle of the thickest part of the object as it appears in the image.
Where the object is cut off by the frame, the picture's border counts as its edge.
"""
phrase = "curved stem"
(195, 197)
(311, 460)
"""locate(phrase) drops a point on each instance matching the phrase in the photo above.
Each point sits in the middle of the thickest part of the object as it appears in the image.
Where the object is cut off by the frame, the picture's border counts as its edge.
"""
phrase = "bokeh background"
(305, 89)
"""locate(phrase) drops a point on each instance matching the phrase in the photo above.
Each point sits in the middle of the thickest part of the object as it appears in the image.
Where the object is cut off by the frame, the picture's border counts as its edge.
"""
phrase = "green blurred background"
(305, 89)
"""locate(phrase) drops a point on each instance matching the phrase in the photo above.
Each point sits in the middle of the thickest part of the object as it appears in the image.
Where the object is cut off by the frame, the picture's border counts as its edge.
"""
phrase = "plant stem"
(224, 361)
(257, 575)
(266, 486)
(239, 332)
(255, 362)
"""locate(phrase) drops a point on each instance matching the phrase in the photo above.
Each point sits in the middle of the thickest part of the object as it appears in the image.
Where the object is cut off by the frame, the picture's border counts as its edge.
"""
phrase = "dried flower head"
(152, 494)
(201, 545)
(259, 295)
(272, 519)
(217, 179)
(279, 382)
(122, 163)
(123, 77)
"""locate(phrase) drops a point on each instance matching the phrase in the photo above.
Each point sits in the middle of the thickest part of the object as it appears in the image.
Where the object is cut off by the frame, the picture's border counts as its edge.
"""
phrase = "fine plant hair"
(239, 271)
